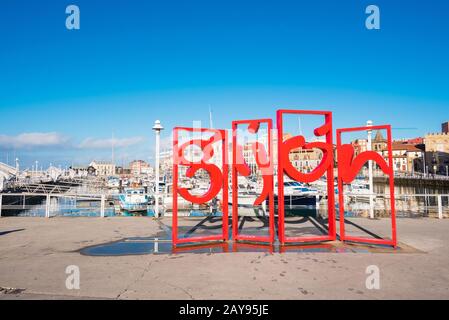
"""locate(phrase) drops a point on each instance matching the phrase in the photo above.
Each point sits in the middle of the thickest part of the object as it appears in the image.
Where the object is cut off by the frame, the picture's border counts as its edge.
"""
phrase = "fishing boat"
(134, 200)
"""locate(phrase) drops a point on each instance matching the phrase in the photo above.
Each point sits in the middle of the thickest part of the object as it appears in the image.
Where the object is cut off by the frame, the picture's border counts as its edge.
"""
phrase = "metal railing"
(38, 201)
(409, 175)
(100, 204)
(427, 204)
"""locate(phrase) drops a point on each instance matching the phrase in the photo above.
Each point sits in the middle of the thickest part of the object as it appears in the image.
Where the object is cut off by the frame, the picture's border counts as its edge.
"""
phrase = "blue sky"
(136, 61)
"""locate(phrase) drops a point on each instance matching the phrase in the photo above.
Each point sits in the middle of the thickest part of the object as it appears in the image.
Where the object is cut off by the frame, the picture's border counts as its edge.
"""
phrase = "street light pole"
(157, 128)
(369, 123)
(424, 163)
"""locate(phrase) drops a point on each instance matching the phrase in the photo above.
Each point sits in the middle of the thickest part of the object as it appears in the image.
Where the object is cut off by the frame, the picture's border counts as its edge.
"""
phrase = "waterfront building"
(407, 153)
(305, 160)
(140, 167)
(359, 145)
(406, 157)
(437, 152)
(437, 142)
(103, 168)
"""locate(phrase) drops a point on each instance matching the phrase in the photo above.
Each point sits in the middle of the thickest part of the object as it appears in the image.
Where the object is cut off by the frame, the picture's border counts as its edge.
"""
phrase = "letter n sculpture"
(348, 168)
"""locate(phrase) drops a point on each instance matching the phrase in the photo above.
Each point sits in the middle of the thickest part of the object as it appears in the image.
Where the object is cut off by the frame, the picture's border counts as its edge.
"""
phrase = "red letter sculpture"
(218, 178)
(348, 168)
(264, 161)
(325, 166)
(209, 162)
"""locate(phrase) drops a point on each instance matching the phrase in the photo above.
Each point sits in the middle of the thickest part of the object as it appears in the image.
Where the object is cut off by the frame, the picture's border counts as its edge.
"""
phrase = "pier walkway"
(35, 252)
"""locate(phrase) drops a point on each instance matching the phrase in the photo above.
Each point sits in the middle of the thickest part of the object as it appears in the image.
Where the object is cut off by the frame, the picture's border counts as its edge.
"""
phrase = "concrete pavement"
(34, 254)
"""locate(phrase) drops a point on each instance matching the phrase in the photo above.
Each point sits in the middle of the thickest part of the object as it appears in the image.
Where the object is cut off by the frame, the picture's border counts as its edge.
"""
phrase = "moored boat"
(113, 182)
(134, 200)
(295, 194)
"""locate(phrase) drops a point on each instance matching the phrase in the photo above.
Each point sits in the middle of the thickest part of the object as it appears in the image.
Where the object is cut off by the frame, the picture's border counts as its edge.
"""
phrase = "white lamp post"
(369, 123)
(157, 128)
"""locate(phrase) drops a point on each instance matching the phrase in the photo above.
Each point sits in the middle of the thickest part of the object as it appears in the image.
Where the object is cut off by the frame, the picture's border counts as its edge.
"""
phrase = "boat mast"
(112, 146)
(211, 123)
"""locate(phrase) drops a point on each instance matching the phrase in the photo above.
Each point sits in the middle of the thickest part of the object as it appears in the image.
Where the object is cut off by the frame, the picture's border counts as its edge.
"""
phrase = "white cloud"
(92, 143)
(167, 142)
(33, 140)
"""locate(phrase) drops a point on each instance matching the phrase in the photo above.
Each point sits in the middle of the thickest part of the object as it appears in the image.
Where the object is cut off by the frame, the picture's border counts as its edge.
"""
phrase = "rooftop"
(405, 146)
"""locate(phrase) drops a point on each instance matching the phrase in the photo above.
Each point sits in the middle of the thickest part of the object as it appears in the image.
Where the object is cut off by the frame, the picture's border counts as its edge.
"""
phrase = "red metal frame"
(192, 248)
(327, 130)
(225, 247)
(268, 179)
(224, 183)
(241, 246)
(351, 169)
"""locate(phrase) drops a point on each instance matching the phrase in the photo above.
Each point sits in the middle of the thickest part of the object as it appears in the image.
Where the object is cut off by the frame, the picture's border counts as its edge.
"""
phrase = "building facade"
(407, 154)
(103, 168)
(140, 167)
(437, 142)
(359, 145)
(407, 158)
(437, 153)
